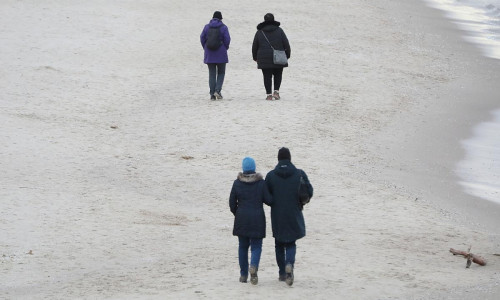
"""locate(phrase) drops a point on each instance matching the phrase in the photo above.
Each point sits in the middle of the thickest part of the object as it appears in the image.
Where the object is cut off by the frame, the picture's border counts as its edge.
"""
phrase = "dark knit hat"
(269, 17)
(248, 165)
(217, 15)
(284, 153)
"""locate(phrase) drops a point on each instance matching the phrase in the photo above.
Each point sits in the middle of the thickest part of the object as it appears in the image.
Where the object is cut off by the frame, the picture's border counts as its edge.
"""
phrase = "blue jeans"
(285, 254)
(216, 74)
(256, 249)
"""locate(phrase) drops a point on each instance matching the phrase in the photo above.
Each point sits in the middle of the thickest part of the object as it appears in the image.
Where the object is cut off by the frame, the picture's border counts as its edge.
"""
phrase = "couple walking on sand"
(215, 40)
(280, 190)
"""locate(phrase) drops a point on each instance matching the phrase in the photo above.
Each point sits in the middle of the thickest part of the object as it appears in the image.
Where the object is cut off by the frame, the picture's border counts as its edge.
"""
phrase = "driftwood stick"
(470, 257)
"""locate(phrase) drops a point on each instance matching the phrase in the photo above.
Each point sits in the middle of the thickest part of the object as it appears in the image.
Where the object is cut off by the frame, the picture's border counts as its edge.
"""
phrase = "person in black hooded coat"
(263, 53)
(286, 211)
(248, 194)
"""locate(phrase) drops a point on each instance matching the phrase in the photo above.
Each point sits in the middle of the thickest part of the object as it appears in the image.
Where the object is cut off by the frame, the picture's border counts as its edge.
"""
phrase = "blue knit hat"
(248, 165)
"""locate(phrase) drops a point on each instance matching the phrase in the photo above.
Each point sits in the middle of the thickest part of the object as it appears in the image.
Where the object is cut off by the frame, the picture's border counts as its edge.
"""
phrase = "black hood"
(285, 168)
(268, 25)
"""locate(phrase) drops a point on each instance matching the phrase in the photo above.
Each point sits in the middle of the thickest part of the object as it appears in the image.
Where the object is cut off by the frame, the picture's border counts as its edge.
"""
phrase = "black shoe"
(243, 279)
(282, 277)
(253, 275)
(212, 97)
(289, 274)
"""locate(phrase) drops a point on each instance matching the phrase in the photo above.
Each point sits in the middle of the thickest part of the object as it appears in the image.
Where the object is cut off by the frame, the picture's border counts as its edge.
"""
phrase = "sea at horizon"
(479, 171)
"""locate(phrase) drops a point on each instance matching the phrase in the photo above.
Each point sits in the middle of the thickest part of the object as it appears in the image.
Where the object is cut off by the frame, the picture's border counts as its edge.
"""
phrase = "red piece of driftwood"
(470, 257)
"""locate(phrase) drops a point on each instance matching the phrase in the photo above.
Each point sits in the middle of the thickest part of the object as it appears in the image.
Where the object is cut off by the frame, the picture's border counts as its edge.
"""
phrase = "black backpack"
(303, 193)
(213, 38)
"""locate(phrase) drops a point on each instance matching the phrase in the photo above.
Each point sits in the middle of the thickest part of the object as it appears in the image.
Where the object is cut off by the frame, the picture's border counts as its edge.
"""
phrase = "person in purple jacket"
(215, 57)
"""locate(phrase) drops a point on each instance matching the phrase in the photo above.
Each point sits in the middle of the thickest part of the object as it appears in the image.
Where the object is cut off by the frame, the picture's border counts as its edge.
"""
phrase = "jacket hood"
(268, 25)
(215, 23)
(249, 178)
(285, 168)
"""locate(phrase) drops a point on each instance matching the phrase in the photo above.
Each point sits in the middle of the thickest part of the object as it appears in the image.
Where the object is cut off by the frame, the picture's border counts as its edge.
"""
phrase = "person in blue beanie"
(286, 212)
(215, 53)
(248, 194)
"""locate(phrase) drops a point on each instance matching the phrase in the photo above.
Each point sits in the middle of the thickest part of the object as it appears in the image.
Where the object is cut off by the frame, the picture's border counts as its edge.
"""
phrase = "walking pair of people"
(269, 36)
(279, 190)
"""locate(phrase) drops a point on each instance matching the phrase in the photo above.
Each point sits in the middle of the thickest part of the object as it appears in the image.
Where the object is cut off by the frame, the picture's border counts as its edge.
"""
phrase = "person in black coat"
(248, 194)
(286, 211)
(262, 53)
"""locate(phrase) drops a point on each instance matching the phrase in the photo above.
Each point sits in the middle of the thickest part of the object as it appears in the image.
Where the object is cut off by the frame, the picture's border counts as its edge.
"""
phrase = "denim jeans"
(216, 74)
(256, 249)
(285, 254)
(268, 79)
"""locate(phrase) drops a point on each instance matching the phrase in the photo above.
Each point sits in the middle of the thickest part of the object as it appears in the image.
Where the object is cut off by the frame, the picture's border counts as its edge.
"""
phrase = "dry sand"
(116, 168)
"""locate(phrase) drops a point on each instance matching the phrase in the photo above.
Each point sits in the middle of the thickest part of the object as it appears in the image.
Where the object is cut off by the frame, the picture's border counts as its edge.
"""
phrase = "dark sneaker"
(269, 97)
(289, 274)
(276, 95)
(218, 95)
(253, 275)
(212, 97)
(243, 279)
(282, 277)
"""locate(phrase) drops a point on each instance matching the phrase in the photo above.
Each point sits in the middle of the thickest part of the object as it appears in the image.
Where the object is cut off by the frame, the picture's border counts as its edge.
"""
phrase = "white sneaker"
(218, 95)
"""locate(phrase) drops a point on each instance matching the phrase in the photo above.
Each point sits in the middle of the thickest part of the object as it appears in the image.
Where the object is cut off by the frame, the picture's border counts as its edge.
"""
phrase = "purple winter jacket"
(220, 55)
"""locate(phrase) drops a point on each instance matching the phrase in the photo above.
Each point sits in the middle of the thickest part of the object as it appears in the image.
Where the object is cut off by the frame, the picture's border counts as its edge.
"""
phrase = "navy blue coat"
(286, 211)
(262, 51)
(248, 193)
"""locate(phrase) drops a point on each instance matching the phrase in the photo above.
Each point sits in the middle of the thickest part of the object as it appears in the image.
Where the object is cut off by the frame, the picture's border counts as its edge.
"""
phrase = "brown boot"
(289, 274)
(253, 275)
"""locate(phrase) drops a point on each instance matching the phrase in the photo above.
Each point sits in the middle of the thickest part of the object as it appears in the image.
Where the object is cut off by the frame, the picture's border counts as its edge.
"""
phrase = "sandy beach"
(117, 168)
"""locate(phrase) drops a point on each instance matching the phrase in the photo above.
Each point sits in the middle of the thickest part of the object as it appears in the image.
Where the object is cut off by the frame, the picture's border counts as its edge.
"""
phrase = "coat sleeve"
(233, 200)
(255, 46)
(268, 183)
(226, 38)
(286, 44)
(266, 195)
(203, 37)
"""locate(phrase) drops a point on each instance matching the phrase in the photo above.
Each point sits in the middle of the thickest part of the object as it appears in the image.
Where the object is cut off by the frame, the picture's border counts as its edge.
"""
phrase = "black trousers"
(268, 79)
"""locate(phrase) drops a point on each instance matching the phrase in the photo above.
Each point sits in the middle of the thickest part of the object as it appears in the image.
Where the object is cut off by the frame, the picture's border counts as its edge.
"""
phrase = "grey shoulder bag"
(279, 56)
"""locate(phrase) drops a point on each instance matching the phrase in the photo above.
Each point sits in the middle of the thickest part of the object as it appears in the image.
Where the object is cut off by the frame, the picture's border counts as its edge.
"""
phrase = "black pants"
(268, 79)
